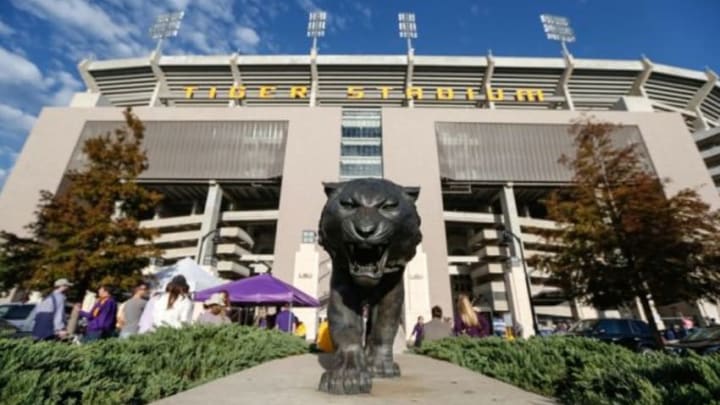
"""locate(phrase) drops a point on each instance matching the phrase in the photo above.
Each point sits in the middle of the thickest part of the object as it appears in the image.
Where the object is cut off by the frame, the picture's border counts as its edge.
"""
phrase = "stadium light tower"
(316, 27)
(408, 28)
(166, 26)
(558, 28)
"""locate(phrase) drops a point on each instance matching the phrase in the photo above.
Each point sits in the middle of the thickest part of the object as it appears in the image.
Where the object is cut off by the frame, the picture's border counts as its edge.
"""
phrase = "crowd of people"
(144, 312)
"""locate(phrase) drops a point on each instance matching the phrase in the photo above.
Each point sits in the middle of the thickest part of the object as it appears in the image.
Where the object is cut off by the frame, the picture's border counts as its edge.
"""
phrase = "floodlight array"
(316, 24)
(557, 28)
(166, 25)
(407, 25)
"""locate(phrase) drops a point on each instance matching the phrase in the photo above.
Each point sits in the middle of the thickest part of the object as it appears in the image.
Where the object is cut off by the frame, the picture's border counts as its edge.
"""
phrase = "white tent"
(197, 278)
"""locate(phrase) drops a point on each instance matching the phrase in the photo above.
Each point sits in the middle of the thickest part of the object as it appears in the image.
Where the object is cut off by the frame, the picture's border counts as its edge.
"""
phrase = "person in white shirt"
(174, 308)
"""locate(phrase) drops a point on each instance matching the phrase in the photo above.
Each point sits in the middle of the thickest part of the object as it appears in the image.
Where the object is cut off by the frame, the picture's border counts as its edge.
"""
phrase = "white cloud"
(364, 10)
(6, 30)
(16, 69)
(79, 14)
(308, 5)
(15, 120)
(69, 85)
(87, 27)
(3, 177)
(9, 153)
(247, 38)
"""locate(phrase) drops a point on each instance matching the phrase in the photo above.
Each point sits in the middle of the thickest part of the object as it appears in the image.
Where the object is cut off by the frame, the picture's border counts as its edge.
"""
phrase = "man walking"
(436, 329)
(50, 319)
(132, 310)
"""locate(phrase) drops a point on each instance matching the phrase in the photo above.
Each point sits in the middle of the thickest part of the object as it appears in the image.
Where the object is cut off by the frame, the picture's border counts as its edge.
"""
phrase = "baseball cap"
(215, 299)
(63, 282)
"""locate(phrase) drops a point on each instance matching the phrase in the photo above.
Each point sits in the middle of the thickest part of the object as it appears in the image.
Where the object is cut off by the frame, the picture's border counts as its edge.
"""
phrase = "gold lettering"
(189, 91)
(384, 92)
(444, 93)
(212, 93)
(298, 92)
(355, 92)
(529, 95)
(267, 91)
(414, 92)
(237, 92)
(494, 95)
(470, 94)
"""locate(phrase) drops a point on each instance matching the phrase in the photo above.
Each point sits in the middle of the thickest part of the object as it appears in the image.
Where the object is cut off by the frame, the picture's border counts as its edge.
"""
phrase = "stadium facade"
(240, 145)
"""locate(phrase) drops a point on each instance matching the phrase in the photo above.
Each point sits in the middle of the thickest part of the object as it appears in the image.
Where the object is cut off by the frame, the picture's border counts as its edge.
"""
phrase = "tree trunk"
(650, 318)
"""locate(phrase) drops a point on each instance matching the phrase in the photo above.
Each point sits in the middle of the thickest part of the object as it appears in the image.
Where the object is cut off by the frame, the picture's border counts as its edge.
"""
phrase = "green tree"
(621, 238)
(17, 259)
(90, 229)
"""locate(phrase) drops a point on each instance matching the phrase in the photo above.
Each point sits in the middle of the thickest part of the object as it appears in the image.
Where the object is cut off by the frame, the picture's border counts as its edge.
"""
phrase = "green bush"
(585, 371)
(136, 370)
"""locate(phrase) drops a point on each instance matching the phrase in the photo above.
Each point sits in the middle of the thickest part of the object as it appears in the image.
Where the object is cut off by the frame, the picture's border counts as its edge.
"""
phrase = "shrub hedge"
(136, 370)
(584, 371)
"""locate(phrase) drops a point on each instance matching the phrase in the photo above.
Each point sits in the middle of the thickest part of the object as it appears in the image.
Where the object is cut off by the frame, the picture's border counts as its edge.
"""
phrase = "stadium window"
(308, 236)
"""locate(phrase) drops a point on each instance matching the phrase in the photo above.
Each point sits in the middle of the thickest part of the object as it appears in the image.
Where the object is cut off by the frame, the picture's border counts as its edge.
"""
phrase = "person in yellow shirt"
(324, 341)
(300, 330)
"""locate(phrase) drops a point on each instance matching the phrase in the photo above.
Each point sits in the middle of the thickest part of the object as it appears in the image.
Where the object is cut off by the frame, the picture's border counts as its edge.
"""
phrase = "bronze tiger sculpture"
(370, 228)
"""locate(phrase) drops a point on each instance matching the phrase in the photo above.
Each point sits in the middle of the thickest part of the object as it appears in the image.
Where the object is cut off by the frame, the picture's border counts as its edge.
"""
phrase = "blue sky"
(41, 41)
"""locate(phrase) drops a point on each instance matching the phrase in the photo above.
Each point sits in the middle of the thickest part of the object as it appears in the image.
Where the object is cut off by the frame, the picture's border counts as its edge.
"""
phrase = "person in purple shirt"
(419, 331)
(285, 320)
(102, 316)
(468, 322)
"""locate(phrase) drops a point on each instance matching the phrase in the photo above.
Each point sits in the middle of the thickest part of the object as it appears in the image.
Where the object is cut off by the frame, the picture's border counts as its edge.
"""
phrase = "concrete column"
(515, 281)
(211, 216)
(708, 310)
(641, 314)
(307, 266)
(417, 291)
(581, 311)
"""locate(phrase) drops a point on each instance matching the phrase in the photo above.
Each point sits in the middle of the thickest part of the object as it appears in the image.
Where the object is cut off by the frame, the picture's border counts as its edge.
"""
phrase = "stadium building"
(240, 144)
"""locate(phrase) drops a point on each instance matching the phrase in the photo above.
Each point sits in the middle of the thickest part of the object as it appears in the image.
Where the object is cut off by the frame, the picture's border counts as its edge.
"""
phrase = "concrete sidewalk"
(294, 380)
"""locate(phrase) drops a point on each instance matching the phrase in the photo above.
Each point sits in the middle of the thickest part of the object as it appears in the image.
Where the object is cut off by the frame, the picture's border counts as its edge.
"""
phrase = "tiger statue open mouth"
(370, 228)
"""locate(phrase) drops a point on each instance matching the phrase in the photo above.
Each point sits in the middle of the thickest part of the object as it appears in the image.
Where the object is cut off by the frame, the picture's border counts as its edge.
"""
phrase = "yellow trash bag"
(324, 341)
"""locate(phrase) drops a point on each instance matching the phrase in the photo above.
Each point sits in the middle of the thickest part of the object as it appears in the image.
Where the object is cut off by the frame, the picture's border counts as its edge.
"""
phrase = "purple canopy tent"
(263, 289)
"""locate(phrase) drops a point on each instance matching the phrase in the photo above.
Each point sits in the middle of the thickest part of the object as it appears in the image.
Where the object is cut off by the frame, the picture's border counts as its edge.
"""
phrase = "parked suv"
(21, 316)
(633, 334)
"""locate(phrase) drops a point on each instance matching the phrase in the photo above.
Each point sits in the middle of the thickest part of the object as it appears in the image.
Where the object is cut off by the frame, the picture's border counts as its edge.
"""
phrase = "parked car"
(21, 316)
(701, 341)
(633, 334)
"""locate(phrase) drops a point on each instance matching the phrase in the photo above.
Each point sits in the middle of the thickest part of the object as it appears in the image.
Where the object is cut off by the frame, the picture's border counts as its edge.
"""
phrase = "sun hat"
(215, 299)
(63, 282)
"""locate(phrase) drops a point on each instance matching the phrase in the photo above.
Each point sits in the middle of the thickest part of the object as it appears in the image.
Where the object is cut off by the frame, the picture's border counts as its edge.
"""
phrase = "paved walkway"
(294, 380)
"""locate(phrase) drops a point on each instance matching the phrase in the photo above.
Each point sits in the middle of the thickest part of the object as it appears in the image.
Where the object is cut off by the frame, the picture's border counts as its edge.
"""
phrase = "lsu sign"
(384, 92)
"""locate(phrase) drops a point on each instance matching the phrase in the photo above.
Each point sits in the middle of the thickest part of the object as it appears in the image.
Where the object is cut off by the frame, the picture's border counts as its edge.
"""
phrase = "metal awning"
(203, 150)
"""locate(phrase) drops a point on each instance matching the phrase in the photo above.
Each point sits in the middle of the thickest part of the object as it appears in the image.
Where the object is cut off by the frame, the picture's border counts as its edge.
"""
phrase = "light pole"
(558, 28)
(201, 255)
(507, 237)
(316, 27)
(408, 28)
(165, 26)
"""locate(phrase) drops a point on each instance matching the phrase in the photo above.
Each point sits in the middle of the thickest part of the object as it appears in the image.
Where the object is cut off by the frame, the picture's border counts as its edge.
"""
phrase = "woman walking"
(469, 322)
(174, 308)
